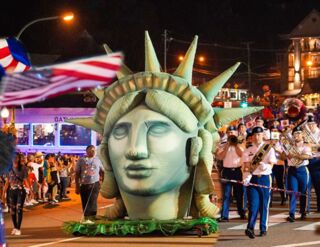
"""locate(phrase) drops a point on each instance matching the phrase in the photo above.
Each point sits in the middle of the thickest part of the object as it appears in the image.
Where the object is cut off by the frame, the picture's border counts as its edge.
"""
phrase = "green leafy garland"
(200, 226)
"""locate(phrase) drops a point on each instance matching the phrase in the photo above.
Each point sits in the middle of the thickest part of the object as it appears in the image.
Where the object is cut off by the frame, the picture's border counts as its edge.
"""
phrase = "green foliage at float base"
(200, 226)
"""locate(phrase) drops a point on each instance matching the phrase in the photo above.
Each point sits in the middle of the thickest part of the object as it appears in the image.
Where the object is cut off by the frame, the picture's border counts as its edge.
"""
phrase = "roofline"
(307, 16)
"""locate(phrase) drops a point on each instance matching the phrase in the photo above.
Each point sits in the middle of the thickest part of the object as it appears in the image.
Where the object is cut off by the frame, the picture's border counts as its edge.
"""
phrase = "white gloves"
(246, 180)
(263, 166)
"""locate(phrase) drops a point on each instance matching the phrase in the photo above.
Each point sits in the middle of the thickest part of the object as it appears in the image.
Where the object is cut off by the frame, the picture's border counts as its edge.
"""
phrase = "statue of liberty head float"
(159, 135)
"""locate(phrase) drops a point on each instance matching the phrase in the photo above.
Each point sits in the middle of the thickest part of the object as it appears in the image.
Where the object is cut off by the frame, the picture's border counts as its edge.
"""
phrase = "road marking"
(56, 242)
(233, 215)
(299, 244)
(244, 226)
(273, 220)
(309, 227)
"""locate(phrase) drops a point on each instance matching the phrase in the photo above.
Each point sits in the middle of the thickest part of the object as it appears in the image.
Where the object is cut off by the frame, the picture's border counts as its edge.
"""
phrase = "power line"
(229, 47)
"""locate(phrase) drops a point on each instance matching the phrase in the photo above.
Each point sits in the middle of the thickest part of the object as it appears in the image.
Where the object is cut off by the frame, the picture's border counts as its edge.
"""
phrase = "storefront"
(45, 130)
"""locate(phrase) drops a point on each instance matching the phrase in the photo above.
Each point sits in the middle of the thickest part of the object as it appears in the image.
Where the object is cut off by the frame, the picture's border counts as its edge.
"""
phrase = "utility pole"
(165, 50)
(166, 38)
(249, 63)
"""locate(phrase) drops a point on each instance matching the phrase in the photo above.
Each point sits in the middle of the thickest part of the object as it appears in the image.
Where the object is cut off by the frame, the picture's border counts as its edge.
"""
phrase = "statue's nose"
(138, 146)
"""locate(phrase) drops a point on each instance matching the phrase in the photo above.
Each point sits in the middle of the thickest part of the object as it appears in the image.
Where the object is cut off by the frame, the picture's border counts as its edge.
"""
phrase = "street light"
(309, 63)
(4, 116)
(9, 129)
(66, 17)
(201, 59)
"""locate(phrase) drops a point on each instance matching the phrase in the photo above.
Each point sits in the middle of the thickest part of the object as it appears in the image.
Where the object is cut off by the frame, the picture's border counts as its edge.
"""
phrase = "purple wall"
(51, 115)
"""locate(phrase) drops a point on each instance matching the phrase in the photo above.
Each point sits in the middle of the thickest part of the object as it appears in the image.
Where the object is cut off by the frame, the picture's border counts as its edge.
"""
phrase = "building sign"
(227, 104)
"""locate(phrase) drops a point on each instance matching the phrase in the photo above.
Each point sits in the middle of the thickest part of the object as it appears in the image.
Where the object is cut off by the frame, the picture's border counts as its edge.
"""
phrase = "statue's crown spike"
(151, 61)
(211, 88)
(185, 68)
(124, 70)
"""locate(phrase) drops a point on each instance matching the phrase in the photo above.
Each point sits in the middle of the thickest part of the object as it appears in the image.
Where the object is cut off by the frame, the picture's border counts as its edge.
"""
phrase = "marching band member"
(298, 174)
(259, 123)
(230, 153)
(278, 170)
(257, 166)
(314, 162)
(242, 132)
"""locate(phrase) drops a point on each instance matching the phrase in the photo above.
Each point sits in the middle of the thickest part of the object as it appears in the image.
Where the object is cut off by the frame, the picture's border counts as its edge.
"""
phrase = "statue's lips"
(138, 171)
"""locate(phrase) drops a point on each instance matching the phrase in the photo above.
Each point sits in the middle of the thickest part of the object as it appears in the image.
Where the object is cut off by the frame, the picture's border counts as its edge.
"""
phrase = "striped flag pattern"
(42, 83)
(13, 57)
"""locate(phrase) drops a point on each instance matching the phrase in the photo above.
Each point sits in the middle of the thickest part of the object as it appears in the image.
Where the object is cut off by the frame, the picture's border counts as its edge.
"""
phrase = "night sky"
(121, 24)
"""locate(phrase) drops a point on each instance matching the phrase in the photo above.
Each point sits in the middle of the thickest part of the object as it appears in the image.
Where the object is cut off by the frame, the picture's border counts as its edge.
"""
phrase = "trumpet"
(234, 140)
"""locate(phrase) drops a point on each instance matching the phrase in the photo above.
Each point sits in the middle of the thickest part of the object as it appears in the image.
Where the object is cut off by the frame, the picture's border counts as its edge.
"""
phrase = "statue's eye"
(158, 129)
(120, 131)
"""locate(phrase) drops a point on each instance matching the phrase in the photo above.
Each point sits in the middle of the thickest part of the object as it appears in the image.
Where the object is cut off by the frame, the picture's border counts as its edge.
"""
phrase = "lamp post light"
(66, 17)
(4, 116)
(9, 129)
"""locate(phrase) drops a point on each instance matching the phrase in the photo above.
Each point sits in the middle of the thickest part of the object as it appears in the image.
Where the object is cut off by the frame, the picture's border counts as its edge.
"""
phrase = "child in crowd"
(30, 201)
(53, 181)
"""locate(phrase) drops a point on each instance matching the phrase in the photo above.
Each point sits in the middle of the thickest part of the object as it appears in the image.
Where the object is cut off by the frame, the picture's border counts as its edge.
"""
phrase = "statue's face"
(148, 153)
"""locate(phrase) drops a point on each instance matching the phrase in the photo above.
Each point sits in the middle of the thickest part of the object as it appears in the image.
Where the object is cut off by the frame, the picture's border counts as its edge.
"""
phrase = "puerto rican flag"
(13, 57)
(38, 84)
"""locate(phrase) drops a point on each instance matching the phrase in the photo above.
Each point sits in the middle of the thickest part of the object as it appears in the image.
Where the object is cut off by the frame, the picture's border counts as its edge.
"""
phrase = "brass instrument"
(288, 145)
(241, 139)
(309, 138)
(233, 140)
(251, 167)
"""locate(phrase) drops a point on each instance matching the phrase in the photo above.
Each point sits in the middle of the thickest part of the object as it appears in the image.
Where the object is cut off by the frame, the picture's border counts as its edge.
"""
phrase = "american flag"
(13, 57)
(41, 83)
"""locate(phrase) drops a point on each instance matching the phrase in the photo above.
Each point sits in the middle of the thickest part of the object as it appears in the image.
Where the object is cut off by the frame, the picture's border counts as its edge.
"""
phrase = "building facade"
(303, 60)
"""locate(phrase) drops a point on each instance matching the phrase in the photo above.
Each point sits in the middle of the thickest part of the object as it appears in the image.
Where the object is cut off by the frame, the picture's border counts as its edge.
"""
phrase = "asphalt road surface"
(42, 227)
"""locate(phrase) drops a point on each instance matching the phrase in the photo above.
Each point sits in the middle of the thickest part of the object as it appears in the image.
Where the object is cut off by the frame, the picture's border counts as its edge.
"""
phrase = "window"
(23, 131)
(73, 135)
(243, 96)
(43, 134)
(99, 139)
(233, 94)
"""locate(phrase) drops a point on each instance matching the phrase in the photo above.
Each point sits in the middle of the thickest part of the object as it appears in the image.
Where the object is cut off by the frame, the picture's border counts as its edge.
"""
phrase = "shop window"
(43, 134)
(73, 135)
(23, 131)
(233, 95)
(99, 139)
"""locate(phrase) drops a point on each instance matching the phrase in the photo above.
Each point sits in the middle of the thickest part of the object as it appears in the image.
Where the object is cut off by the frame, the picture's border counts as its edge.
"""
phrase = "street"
(41, 226)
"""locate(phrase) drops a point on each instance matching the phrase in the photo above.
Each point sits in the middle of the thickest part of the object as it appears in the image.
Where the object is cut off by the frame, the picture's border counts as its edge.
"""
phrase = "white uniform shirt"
(316, 135)
(278, 150)
(303, 149)
(268, 160)
(266, 133)
(231, 160)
